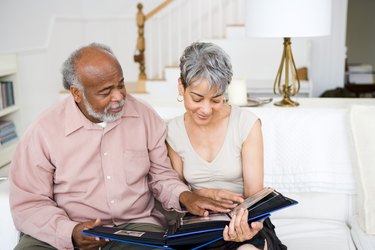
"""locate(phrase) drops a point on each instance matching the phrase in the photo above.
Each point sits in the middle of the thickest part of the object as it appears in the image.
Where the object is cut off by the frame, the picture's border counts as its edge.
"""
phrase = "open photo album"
(197, 231)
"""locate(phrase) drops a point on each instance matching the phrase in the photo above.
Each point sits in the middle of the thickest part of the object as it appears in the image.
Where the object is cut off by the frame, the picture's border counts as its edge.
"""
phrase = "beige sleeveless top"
(225, 171)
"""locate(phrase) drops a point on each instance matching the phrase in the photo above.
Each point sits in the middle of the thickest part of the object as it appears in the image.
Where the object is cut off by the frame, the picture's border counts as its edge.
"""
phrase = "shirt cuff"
(175, 201)
(64, 234)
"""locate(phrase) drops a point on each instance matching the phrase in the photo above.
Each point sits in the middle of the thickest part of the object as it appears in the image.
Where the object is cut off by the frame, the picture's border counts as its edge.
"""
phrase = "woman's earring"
(180, 98)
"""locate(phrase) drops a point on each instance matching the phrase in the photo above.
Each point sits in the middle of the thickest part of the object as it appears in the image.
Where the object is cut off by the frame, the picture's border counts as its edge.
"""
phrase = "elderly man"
(97, 157)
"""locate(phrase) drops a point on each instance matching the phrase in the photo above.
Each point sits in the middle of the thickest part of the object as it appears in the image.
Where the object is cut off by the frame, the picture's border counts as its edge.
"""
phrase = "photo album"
(194, 232)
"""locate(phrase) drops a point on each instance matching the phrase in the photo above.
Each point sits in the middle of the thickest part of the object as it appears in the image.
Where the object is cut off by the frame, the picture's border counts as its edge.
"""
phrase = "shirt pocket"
(136, 167)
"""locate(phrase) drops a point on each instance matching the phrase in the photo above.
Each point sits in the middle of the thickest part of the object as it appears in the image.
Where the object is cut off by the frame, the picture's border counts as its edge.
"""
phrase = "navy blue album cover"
(197, 231)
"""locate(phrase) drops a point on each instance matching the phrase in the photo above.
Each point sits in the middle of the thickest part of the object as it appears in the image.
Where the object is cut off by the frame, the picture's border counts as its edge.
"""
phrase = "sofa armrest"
(361, 240)
(9, 234)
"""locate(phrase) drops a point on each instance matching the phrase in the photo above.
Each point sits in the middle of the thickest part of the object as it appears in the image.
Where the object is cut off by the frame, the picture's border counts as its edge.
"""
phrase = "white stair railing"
(168, 32)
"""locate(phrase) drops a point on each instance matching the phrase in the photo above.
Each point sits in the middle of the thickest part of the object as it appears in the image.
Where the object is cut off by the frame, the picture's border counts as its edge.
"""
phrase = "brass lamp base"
(291, 88)
(286, 102)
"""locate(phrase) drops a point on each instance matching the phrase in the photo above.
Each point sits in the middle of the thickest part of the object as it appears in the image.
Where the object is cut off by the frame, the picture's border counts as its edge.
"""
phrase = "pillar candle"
(237, 92)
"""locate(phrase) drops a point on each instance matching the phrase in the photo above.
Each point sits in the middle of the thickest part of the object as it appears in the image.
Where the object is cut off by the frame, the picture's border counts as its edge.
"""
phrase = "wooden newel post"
(140, 58)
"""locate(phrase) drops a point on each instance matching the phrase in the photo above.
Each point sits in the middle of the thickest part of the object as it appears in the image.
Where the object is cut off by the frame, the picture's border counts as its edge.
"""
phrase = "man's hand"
(200, 205)
(87, 242)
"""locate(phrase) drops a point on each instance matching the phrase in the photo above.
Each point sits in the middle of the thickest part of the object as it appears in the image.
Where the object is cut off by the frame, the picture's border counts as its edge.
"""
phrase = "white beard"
(105, 116)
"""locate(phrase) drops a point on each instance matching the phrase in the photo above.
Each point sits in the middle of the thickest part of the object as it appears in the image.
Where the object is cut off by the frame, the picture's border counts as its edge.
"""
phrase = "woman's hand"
(239, 229)
(227, 199)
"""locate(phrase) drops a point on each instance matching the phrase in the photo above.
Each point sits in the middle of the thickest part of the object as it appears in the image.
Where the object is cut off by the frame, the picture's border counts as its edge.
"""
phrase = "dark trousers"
(29, 243)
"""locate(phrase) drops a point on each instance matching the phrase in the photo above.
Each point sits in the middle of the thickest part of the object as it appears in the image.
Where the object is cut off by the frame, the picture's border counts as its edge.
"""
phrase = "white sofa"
(308, 157)
(9, 235)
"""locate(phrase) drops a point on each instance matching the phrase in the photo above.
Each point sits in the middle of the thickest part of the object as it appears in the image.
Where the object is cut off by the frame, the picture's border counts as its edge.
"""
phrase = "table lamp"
(288, 18)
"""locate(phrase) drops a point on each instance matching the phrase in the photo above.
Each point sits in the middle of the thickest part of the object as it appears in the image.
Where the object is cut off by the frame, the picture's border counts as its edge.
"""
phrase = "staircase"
(183, 22)
(221, 22)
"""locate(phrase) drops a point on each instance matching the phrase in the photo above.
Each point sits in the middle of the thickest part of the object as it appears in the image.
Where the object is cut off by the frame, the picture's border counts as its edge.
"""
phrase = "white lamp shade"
(288, 18)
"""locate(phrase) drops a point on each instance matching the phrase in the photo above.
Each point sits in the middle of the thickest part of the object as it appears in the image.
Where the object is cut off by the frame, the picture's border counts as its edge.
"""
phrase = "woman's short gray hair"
(206, 61)
(69, 71)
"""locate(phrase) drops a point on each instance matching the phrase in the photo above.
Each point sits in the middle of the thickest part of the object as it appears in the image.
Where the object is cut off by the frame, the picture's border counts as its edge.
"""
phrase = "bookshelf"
(9, 111)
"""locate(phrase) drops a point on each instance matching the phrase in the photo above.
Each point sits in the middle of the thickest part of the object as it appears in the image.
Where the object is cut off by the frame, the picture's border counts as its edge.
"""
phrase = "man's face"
(104, 116)
(103, 95)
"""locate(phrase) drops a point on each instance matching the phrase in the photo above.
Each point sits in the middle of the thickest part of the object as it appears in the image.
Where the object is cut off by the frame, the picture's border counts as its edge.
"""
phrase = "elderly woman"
(215, 147)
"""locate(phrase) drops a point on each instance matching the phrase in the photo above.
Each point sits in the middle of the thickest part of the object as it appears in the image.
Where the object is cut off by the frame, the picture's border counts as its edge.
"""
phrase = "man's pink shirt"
(67, 169)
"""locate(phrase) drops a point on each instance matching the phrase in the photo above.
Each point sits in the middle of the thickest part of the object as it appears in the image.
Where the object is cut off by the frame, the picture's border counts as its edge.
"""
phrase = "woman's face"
(201, 104)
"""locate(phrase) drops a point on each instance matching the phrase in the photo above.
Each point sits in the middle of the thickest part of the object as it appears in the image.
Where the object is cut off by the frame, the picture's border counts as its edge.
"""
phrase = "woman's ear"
(181, 89)
(76, 93)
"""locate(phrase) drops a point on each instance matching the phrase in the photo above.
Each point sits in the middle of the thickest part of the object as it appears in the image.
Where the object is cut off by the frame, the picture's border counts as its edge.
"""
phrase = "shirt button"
(105, 154)
(112, 201)
(108, 177)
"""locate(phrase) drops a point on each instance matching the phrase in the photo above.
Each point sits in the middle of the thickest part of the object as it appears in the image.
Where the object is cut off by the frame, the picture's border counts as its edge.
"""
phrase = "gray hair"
(206, 61)
(69, 71)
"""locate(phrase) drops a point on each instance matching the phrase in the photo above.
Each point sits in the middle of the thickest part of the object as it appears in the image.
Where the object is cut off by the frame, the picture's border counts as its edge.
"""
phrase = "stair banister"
(141, 19)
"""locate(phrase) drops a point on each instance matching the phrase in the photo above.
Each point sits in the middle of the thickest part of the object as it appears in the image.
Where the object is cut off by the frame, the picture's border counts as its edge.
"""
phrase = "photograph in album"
(197, 230)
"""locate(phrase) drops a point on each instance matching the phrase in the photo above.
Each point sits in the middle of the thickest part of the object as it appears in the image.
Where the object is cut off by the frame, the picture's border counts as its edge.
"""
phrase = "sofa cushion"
(319, 205)
(362, 124)
(313, 234)
(307, 150)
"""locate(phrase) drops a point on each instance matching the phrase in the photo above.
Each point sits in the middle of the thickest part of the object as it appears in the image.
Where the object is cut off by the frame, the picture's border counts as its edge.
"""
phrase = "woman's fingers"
(239, 229)
(226, 233)
(231, 230)
(241, 225)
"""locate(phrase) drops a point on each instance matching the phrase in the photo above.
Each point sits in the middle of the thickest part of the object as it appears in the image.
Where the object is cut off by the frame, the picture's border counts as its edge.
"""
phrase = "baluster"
(210, 23)
(221, 19)
(179, 36)
(170, 39)
(241, 12)
(140, 58)
(200, 21)
(189, 20)
(149, 46)
(160, 44)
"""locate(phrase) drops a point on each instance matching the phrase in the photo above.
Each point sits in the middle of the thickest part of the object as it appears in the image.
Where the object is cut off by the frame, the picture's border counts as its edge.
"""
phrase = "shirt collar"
(75, 119)
(130, 109)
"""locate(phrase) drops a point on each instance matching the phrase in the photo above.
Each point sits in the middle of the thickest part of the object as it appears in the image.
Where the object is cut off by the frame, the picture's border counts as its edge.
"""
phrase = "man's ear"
(76, 93)
(180, 86)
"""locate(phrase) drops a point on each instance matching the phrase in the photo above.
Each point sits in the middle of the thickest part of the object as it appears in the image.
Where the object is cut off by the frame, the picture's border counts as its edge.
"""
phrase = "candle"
(237, 92)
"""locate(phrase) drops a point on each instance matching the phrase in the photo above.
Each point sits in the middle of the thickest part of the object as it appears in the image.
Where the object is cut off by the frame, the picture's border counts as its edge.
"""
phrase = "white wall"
(28, 24)
(44, 32)
(328, 53)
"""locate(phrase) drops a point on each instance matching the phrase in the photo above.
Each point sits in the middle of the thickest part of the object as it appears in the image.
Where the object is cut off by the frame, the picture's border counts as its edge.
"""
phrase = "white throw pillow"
(362, 124)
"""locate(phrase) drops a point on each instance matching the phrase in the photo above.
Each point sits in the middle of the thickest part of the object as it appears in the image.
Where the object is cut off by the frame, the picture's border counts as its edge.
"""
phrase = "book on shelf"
(7, 94)
(8, 132)
(5, 123)
(1, 98)
(6, 127)
(3, 95)
(8, 138)
(197, 231)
